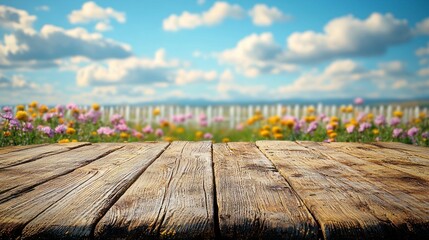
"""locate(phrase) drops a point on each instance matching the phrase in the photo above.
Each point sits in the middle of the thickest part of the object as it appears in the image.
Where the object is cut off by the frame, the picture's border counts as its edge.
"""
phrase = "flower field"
(36, 123)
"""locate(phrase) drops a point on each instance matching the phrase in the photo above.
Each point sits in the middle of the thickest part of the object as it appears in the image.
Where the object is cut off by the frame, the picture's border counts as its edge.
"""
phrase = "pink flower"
(105, 131)
(218, 119)
(202, 117)
(361, 116)
(48, 131)
(159, 132)
(395, 121)
(380, 120)
(61, 129)
(7, 109)
(189, 115)
(208, 136)
(71, 106)
(148, 129)
(312, 127)
(364, 126)
(239, 127)
(350, 128)
(28, 127)
(412, 132)
(203, 123)
(121, 127)
(425, 135)
(397, 132)
(115, 118)
(358, 101)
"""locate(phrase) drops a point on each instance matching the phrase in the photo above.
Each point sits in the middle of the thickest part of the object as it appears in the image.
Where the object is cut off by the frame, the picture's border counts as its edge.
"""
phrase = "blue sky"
(143, 51)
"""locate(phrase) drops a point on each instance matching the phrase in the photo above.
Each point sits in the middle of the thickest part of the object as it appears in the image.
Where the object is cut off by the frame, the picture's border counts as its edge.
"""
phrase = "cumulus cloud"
(423, 51)
(215, 15)
(262, 15)
(90, 11)
(43, 8)
(423, 27)
(103, 26)
(132, 70)
(16, 19)
(188, 76)
(349, 36)
(45, 48)
(228, 87)
(256, 54)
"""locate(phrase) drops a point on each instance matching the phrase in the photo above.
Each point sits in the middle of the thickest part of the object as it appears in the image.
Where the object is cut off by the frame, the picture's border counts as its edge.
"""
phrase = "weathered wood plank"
(172, 199)
(21, 178)
(390, 158)
(407, 148)
(8, 149)
(33, 153)
(75, 215)
(254, 200)
(345, 203)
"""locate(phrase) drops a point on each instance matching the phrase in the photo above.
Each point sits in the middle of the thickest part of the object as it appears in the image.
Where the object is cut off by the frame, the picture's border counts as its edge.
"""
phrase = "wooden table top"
(200, 190)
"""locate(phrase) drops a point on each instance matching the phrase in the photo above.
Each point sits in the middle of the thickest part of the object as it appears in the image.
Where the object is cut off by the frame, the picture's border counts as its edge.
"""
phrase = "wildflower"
(422, 115)
(312, 127)
(70, 131)
(425, 135)
(33, 104)
(179, 118)
(397, 132)
(380, 120)
(398, 114)
(225, 140)
(7, 109)
(164, 123)
(7, 134)
(199, 134)
(334, 119)
(48, 116)
(208, 136)
(115, 118)
(364, 126)
(156, 112)
(48, 131)
(74, 140)
(358, 101)
(71, 106)
(412, 132)
(137, 134)
(59, 108)
(276, 129)
(218, 119)
(264, 133)
(350, 128)
(7, 116)
(105, 131)
(332, 135)
(395, 121)
(43, 109)
(361, 117)
(310, 119)
(148, 129)
(20, 108)
(189, 115)
(266, 127)
(239, 127)
(96, 106)
(14, 123)
(64, 141)
(122, 127)
(349, 109)
(370, 116)
(93, 115)
(21, 115)
(310, 110)
(159, 132)
(124, 135)
(168, 139)
(375, 131)
(28, 127)
(274, 120)
(93, 133)
(61, 129)
(278, 136)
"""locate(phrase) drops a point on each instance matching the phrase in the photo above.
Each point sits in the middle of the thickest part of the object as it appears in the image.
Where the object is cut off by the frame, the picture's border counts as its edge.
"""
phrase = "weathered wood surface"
(195, 190)
(172, 199)
(254, 200)
(31, 153)
(4, 150)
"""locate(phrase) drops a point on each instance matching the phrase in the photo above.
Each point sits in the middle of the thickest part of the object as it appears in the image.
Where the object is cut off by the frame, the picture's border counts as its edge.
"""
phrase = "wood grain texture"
(23, 177)
(28, 154)
(75, 215)
(407, 148)
(9, 149)
(344, 202)
(254, 200)
(172, 199)
(390, 158)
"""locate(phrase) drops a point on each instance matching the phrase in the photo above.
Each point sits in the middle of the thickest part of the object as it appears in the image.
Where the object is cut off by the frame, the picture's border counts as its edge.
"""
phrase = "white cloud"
(399, 84)
(423, 51)
(16, 19)
(424, 72)
(227, 87)
(257, 54)
(43, 8)
(132, 70)
(201, 2)
(188, 76)
(348, 36)
(103, 26)
(423, 27)
(52, 43)
(90, 11)
(262, 15)
(215, 15)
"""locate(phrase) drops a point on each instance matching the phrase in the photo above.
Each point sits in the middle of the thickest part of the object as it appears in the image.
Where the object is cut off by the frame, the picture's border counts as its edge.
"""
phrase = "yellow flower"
(334, 119)
(70, 131)
(43, 109)
(21, 115)
(70, 124)
(199, 134)
(20, 107)
(310, 119)
(422, 115)
(74, 140)
(124, 135)
(156, 111)
(225, 140)
(329, 131)
(138, 135)
(64, 141)
(343, 109)
(288, 122)
(30, 110)
(332, 135)
(274, 119)
(7, 134)
(332, 140)
(370, 116)
(168, 139)
(34, 115)
(349, 109)
(180, 130)
(164, 124)
(284, 110)
(310, 110)
(417, 120)
(276, 130)
(33, 104)
(266, 127)
(96, 106)
(375, 131)
(264, 133)
(398, 114)
(60, 120)
(94, 133)
(278, 136)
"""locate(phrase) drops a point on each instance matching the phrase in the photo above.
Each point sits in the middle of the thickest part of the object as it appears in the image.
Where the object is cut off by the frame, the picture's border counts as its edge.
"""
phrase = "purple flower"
(61, 129)
(148, 129)
(179, 118)
(208, 136)
(397, 132)
(121, 127)
(93, 116)
(14, 123)
(105, 131)
(81, 118)
(28, 127)
(7, 109)
(395, 121)
(380, 120)
(59, 108)
(312, 127)
(115, 118)
(425, 135)
(159, 132)
(364, 126)
(7, 116)
(48, 131)
(412, 132)
(48, 116)
(350, 128)
(71, 106)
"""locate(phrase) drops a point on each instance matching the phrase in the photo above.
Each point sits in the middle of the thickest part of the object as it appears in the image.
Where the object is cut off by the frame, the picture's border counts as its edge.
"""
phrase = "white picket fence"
(235, 114)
